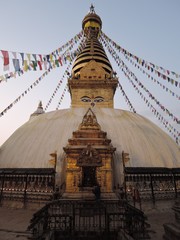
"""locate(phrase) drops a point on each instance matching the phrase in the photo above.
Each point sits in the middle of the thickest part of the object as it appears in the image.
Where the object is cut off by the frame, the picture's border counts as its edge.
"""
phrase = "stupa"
(91, 143)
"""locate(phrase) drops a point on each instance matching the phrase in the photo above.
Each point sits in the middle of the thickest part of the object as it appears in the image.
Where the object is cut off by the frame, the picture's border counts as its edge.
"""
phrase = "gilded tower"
(93, 81)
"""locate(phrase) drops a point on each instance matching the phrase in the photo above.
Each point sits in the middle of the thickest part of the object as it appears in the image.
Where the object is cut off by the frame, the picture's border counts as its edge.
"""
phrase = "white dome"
(147, 145)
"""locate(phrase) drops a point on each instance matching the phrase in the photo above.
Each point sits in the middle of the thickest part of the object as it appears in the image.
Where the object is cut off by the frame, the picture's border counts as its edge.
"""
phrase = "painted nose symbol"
(92, 104)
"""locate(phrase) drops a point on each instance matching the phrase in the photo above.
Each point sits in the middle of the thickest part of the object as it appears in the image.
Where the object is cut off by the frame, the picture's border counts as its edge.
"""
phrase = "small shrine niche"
(89, 156)
(89, 160)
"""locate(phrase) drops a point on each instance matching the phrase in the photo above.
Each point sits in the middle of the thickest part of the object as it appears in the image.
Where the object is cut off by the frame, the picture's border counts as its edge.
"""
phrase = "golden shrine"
(89, 160)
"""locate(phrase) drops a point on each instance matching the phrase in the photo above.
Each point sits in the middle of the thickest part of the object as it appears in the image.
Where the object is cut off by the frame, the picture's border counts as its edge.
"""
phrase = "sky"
(148, 29)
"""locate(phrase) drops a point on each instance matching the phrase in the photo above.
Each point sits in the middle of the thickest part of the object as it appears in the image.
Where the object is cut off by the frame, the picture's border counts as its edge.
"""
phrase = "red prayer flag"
(40, 56)
(40, 65)
(60, 61)
(6, 59)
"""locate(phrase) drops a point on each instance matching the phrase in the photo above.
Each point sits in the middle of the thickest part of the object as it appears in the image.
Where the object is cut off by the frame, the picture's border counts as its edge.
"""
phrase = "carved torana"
(89, 157)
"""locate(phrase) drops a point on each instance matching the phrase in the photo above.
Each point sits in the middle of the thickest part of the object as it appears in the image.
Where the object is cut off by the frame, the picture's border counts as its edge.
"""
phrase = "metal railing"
(72, 218)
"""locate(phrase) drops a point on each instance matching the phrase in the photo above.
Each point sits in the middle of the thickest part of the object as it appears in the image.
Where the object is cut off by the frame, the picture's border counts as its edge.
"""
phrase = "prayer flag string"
(66, 57)
(66, 73)
(166, 89)
(62, 97)
(73, 41)
(126, 98)
(72, 55)
(163, 121)
(26, 91)
(115, 56)
(150, 66)
(23, 62)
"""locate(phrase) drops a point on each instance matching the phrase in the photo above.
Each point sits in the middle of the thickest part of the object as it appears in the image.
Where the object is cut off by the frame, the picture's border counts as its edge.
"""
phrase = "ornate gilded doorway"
(89, 176)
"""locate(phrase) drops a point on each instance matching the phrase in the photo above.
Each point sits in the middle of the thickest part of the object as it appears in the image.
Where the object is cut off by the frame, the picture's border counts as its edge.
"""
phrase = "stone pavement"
(157, 215)
(156, 219)
(14, 222)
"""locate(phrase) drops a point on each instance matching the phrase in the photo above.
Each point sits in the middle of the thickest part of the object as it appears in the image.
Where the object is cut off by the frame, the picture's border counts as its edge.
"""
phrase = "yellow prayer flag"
(25, 68)
(51, 57)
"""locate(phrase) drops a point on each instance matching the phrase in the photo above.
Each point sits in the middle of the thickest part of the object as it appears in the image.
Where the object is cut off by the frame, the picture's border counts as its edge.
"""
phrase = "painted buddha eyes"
(97, 99)
(86, 99)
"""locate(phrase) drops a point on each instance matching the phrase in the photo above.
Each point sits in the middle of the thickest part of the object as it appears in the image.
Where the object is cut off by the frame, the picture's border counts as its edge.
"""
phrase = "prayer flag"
(57, 63)
(22, 55)
(6, 60)
(40, 56)
(51, 57)
(29, 57)
(16, 65)
(60, 61)
(34, 65)
(40, 65)
(25, 66)
(45, 65)
(14, 54)
(34, 55)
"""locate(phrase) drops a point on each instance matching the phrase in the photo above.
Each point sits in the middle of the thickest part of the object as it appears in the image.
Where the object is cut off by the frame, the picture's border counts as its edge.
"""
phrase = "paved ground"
(157, 218)
(14, 222)
(158, 214)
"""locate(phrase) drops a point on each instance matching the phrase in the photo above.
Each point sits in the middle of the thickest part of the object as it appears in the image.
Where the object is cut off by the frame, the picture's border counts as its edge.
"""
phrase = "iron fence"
(75, 219)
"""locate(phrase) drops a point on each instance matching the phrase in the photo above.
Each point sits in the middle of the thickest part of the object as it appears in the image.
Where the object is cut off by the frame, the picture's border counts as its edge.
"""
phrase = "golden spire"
(92, 81)
(93, 49)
